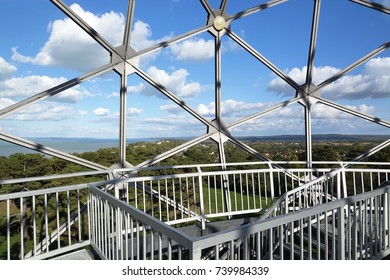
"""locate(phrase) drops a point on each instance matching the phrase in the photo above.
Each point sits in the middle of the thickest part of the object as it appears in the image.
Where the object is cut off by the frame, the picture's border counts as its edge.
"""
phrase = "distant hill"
(318, 137)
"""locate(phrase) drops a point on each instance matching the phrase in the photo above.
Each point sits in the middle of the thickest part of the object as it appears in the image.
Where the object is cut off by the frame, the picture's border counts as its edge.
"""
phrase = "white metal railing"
(179, 198)
(119, 231)
(336, 184)
(350, 228)
(43, 223)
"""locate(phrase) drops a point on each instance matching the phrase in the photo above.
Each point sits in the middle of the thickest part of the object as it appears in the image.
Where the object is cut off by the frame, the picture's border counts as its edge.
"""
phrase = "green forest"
(32, 165)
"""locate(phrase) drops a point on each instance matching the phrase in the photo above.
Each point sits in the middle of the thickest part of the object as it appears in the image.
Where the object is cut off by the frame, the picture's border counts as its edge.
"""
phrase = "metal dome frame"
(125, 62)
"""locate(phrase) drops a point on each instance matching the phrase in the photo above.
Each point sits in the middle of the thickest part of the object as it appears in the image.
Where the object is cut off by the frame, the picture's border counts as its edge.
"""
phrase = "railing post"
(340, 234)
(386, 228)
(8, 231)
(89, 216)
(226, 191)
(338, 186)
(271, 178)
(343, 174)
(195, 253)
(201, 200)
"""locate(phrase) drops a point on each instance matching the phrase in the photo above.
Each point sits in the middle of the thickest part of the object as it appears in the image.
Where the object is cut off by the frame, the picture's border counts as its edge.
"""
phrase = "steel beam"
(256, 9)
(308, 136)
(207, 7)
(50, 151)
(171, 96)
(265, 112)
(263, 60)
(174, 40)
(250, 150)
(174, 151)
(223, 5)
(85, 26)
(309, 79)
(313, 43)
(354, 113)
(55, 90)
(373, 5)
(218, 78)
(129, 22)
(122, 118)
(372, 151)
(352, 67)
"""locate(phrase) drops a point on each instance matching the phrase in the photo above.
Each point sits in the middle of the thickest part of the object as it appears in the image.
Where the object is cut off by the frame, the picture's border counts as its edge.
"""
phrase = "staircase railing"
(337, 184)
(120, 231)
(351, 228)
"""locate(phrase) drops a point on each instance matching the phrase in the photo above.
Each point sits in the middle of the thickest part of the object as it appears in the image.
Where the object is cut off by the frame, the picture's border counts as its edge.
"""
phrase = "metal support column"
(308, 134)
(309, 80)
(122, 120)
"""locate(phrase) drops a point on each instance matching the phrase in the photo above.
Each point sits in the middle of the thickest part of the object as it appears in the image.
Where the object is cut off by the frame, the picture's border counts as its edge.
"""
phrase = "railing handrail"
(54, 177)
(240, 171)
(330, 174)
(270, 164)
(180, 237)
(298, 189)
(252, 228)
(42, 191)
(195, 166)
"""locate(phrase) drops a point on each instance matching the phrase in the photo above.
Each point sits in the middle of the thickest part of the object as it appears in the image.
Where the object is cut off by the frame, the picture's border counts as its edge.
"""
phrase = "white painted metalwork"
(350, 228)
(63, 219)
(307, 212)
(44, 223)
(125, 60)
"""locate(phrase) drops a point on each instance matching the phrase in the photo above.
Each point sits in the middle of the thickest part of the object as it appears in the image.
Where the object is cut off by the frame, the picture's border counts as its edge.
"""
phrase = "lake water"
(68, 145)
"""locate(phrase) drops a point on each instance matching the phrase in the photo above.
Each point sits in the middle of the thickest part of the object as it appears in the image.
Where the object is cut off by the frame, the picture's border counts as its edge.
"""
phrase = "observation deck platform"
(247, 213)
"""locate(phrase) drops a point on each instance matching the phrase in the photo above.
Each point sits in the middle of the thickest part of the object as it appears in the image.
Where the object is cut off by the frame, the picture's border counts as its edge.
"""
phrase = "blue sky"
(41, 48)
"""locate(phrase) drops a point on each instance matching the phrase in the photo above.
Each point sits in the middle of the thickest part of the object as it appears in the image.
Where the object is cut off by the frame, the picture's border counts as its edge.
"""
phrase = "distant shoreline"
(81, 145)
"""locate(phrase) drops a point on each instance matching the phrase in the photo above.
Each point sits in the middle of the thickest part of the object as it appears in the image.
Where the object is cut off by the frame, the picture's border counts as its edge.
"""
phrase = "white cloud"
(113, 95)
(5, 102)
(141, 36)
(101, 112)
(193, 49)
(299, 76)
(31, 85)
(330, 120)
(199, 49)
(175, 120)
(46, 111)
(291, 120)
(172, 109)
(6, 69)
(138, 88)
(230, 108)
(69, 46)
(134, 111)
(321, 111)
(373, 81)
(82, 112)
(175, 81)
